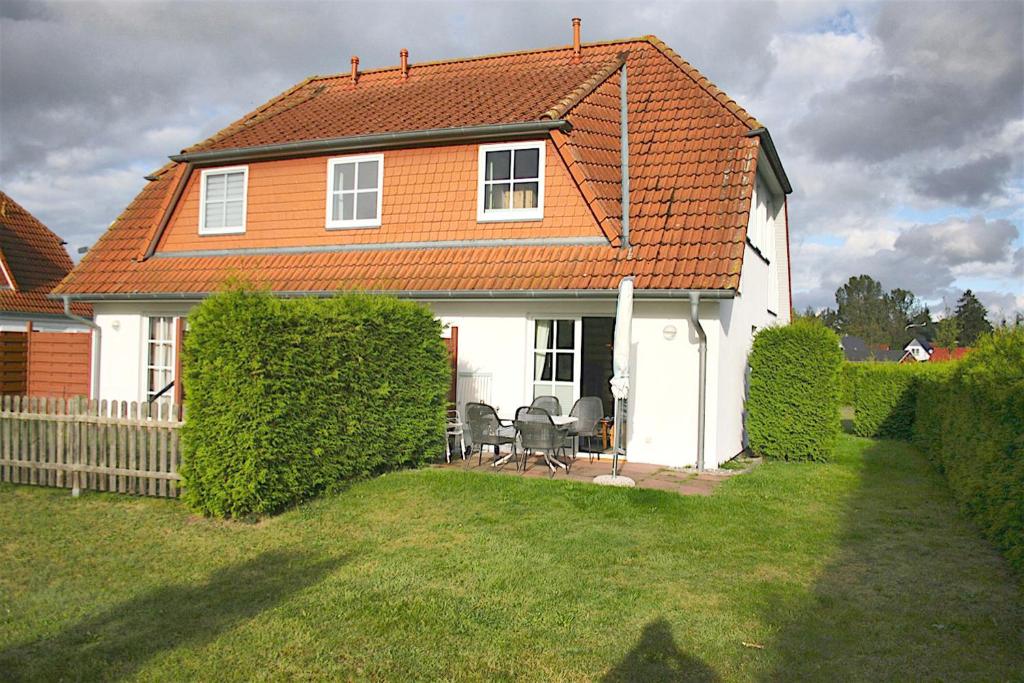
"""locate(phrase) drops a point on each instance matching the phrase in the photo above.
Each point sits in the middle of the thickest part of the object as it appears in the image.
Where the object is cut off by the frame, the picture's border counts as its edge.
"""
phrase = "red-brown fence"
(59, 363)
(13, 363)
(111, 446)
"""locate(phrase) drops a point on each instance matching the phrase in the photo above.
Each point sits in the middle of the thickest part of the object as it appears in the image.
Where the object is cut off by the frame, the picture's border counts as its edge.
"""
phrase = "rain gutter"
(773, 156)
(624, 154)
(445, 295)
(499, 131)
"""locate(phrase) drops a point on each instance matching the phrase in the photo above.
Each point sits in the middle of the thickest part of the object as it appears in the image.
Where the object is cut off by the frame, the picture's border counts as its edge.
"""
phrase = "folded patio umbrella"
(620, 361)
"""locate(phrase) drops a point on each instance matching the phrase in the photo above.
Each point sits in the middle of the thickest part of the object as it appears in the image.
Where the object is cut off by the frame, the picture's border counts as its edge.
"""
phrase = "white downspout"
(702, 346)
(96, 331)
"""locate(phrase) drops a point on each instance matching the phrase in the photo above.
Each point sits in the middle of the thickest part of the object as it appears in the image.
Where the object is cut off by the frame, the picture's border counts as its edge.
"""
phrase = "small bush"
(289, 398)
(970, 422)
(793, 404)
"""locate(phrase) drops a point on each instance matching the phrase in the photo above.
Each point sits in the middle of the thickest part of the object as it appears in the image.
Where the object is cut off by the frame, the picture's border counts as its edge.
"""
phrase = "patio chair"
(538, 433)
(548, 403)
(487, 429)
(588, 411)
(454, 430)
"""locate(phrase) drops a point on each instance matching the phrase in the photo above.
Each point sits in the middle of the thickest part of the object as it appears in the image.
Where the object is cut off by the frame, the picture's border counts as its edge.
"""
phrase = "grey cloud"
(953, 72)
(968, 184)
(956, 242)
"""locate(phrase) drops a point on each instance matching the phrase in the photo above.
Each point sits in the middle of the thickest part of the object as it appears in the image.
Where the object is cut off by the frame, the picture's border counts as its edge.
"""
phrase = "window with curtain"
(160, 357)
(355, 191)
(222, 200)
(511, 182)
(556, 360)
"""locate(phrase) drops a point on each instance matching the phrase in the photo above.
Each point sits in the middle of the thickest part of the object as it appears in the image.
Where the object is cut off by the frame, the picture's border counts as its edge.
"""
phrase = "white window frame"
(331, 191)
(531, 352)
(526, 214)
(8, 282)
(147, 340)
(225, 230)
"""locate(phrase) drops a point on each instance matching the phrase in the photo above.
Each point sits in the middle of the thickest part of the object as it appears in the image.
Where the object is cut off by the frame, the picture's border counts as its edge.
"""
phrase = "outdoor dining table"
(562, 422)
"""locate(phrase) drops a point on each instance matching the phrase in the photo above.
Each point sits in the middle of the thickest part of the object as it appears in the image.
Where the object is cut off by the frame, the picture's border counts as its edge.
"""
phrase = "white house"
(494, 190)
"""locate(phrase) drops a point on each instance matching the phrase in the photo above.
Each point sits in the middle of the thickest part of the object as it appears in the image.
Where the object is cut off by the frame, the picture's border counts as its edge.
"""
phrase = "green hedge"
(970, 422)
(884, 397)
(289, 398)
(793, 404)
(846, 379)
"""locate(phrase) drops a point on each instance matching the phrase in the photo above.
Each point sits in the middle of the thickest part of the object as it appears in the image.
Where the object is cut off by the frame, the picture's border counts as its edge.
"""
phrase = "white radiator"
(473, 387)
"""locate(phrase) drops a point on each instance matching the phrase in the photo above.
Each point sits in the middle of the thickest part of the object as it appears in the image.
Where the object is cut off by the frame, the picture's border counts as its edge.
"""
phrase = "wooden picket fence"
(111, 446)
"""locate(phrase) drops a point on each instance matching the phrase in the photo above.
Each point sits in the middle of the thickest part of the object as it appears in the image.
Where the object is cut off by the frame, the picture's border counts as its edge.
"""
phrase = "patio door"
(556, 359)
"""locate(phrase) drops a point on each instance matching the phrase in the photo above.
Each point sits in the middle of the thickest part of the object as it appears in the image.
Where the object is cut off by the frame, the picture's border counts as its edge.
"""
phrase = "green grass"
(856, 570)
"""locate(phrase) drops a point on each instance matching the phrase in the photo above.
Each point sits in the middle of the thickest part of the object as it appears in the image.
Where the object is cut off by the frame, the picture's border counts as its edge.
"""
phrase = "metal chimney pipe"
(576, 37)
(404, 55)
(355, 69)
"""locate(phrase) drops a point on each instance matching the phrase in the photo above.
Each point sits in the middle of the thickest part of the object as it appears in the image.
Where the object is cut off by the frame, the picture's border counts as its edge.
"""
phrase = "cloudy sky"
(901, 125)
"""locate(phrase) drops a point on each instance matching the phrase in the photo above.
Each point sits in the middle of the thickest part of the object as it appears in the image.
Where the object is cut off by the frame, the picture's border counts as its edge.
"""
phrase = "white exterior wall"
(496, 338)
(122, 337)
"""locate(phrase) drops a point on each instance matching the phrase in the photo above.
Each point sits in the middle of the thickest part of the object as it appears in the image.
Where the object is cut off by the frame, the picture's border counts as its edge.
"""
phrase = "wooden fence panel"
(59, 363)
(13, 363)
(90, 445)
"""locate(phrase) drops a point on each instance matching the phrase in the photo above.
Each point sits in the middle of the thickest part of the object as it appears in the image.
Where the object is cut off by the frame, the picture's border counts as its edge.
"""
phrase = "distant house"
(43, 351)
(32, 261)
(920, 350)
(856, 349)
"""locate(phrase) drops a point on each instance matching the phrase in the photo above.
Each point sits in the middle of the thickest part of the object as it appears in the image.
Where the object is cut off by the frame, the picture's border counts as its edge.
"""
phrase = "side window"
(511, 182)
(355, 191)
(222, 197)
(160, 358)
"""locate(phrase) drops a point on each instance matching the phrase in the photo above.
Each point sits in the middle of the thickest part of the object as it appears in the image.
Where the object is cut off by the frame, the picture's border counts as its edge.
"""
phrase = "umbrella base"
(609, 480)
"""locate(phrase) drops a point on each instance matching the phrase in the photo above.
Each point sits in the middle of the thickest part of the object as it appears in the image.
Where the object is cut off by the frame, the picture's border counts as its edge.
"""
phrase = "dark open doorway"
(596, 362)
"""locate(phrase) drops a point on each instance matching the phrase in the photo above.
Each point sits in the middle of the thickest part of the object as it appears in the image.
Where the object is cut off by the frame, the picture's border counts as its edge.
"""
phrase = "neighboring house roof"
(856, 349)
(32, 262)
(940, 354)
(693, 156)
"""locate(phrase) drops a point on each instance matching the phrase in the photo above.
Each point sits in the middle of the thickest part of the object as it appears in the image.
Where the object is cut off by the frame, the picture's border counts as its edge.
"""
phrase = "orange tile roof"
(692, 164)
(34, 258)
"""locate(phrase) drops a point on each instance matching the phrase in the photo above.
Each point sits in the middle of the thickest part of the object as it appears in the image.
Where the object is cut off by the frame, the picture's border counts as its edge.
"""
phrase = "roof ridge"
(704, 83)
(564, 105)
(478, 58)
(250, 117)
(7, 199)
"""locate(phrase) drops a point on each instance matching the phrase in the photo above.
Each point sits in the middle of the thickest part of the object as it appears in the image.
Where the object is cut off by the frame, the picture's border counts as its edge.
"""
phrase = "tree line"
(893, 318)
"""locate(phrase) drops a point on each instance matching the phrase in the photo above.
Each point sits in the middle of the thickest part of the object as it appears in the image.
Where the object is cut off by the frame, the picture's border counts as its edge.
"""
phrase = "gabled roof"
(32, 262)
(693, 155)
(922, 342)
(942, 354)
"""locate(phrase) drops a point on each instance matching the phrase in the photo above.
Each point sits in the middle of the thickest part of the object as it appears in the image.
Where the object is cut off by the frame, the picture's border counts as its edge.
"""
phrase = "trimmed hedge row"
(793, 403)
(290, 398)
(969, 420)
(884, 397)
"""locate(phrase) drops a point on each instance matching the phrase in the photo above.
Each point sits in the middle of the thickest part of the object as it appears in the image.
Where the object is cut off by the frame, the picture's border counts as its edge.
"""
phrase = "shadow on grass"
(120, 640)
(656, 657)
(913, 593)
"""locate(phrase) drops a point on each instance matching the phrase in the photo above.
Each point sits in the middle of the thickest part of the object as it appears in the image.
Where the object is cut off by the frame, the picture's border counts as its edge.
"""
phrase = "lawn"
(856, 570)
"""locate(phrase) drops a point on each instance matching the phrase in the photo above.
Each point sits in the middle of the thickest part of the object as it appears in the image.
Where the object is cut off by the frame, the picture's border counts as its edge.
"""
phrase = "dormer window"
(511, 182)
(222, 200)
(355, 191)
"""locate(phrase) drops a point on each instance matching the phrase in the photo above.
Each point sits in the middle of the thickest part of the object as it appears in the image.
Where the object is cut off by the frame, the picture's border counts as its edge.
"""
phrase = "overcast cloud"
(901, 125)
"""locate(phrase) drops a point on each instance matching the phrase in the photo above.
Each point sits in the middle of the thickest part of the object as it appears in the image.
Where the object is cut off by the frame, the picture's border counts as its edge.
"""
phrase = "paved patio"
(687, 482)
